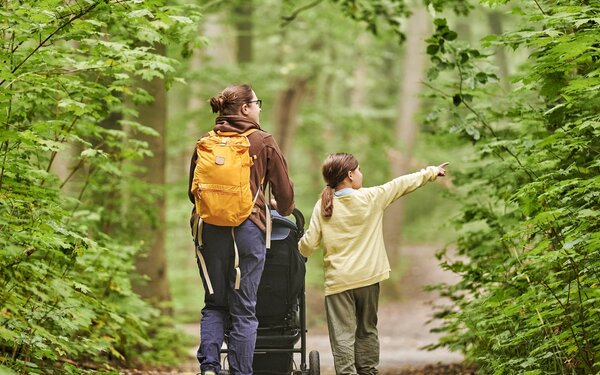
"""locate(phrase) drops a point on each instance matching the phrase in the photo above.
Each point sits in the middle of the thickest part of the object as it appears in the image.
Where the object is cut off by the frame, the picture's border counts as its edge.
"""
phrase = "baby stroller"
(281, 305)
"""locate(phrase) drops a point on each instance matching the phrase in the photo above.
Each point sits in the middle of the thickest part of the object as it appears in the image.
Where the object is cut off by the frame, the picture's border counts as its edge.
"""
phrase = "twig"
(53, 156)
(435, 88)
(80, 196)
(5, 144)
(539, 7)
(288, 19)
(488, 126)
(86, 365)
(73, 171)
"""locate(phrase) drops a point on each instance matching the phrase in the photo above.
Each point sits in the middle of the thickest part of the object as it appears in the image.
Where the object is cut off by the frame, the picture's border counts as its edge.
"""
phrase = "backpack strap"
(236, 261)
(204, 271)
(232, 134)
(198, 224)
(197, 230)
(269, 223)
(249, 131)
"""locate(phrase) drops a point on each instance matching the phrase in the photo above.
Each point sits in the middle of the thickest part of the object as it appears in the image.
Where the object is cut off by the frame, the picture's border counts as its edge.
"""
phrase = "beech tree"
(66, 291)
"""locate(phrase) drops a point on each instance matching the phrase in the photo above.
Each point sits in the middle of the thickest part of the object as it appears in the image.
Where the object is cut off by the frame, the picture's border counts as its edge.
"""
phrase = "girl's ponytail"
(327, 201)
(335, 169)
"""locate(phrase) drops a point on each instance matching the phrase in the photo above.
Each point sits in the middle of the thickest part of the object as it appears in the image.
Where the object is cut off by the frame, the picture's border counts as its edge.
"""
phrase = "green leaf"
(180, 19)
(432, 49)
(141, 13)
(450, 35)
(456, 99)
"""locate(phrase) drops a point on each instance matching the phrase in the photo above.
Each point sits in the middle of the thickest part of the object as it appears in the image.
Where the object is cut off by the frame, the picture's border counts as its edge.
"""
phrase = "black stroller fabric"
(278, 299)
(283, 277)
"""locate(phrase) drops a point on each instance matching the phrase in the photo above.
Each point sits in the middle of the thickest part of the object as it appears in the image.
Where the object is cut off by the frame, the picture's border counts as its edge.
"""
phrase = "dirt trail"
(403, 327)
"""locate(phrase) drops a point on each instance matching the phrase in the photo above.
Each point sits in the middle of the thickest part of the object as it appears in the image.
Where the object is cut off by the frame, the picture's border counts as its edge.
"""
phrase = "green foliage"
(66, 259)
(374, 12)
(529, 228)
(461, 7)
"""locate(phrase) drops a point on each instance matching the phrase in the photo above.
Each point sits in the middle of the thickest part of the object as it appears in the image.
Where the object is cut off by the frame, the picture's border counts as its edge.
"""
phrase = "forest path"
(403, 325)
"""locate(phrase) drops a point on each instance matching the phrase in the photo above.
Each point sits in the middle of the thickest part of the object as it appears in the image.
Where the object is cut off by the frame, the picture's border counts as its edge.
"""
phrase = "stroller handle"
(299, 217)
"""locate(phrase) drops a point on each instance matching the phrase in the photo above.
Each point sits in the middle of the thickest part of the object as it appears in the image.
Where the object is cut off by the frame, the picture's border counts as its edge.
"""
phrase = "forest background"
(96, 258)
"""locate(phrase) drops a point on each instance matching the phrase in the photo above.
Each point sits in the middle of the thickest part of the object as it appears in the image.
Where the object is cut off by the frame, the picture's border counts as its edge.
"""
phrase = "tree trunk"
(495, 21)
(179, 168)
(286, 111)
(406, 129)
(153, 263)
(243, 24)
(111, 201)
(359, 92)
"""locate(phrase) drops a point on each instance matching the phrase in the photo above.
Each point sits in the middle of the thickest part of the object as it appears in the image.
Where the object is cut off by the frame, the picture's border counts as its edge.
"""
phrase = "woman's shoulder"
(260, 134)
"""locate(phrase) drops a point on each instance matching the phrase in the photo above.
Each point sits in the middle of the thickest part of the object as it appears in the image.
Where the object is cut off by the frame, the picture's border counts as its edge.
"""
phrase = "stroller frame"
(296, 333)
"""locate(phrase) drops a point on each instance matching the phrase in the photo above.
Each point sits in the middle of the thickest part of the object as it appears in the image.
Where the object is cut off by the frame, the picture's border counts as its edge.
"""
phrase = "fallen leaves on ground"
(437, 369)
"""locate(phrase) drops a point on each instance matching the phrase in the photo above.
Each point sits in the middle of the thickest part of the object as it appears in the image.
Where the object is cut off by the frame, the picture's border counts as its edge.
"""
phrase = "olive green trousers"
(352, 324)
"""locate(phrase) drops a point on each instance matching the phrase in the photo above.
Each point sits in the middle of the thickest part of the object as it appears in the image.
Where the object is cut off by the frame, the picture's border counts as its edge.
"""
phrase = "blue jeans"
(226, 304)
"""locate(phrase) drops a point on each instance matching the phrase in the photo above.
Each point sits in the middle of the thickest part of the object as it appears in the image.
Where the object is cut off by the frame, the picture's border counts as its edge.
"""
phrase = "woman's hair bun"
(228, 101)
(217, 103)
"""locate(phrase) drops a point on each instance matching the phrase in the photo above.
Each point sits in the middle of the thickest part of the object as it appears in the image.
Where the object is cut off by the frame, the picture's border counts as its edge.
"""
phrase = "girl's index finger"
(443, 165)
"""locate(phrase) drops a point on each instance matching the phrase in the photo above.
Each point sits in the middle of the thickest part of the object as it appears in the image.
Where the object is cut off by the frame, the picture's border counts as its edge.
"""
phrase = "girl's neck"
(344, 185)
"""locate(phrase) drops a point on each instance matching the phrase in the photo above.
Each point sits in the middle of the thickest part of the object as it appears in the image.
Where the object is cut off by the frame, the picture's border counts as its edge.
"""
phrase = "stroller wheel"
(314, 365)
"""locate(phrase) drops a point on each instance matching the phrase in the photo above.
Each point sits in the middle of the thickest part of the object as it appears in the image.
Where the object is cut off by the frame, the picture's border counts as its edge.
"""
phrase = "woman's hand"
(273, 204)
(442, 169)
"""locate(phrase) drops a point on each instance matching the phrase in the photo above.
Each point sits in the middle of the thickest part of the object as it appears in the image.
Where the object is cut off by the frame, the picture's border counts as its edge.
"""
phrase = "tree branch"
(53, 156)
(5, 144)
(288, 19)
(539, 7)
(43, 42)
(486, 125)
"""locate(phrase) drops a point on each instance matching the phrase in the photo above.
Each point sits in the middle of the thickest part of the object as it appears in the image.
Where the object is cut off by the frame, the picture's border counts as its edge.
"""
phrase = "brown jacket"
(269, 166)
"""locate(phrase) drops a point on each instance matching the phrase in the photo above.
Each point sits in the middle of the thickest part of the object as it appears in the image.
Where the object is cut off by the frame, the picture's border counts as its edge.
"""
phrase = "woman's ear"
(244, 109)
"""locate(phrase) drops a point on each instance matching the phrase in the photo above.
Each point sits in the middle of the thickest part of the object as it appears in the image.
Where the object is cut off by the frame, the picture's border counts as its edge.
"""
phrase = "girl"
(348, 220)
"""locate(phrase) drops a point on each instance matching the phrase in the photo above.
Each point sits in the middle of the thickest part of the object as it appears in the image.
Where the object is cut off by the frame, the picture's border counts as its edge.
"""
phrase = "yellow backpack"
(221, 184)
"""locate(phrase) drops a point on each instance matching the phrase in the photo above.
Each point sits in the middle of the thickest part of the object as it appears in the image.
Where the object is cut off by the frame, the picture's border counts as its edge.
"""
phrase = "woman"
(348, 220)
(238, 110)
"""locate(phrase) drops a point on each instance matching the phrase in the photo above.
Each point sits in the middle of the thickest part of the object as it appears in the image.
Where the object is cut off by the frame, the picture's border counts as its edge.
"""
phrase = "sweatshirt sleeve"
(281, 184)
(312, 237)
(387, 193)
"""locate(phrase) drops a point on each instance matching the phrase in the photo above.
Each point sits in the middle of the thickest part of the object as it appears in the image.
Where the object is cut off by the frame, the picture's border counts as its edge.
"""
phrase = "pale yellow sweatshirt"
(354, 254)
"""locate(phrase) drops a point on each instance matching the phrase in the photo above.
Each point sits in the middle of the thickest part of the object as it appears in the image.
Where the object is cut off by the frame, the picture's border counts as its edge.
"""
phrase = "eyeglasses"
(257, 101)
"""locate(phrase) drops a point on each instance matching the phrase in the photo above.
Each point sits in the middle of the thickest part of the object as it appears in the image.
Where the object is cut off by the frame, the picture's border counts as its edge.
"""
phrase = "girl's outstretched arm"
(389, 192)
